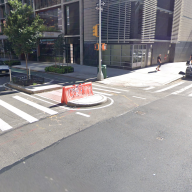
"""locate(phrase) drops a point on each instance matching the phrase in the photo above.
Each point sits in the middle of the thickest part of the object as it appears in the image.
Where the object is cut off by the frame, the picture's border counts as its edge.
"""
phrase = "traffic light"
(95, 30)
(96, 46)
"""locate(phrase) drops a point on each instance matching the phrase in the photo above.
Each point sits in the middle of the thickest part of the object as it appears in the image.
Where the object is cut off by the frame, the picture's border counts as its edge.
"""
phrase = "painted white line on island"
(82, 114)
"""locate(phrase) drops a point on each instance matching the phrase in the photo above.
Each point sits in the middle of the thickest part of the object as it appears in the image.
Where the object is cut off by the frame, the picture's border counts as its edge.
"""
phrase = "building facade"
(136, 31)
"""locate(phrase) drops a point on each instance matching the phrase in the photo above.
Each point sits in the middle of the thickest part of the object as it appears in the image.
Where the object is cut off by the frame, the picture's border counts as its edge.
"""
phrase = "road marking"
(106, 90)
(38, 98)
(138, 97)
(111, 88)
(107, 94)
(85, 115)
(181, 90)
(4, 126)
(149, 88)
(18, 112)
(35, 105)
(167, 88)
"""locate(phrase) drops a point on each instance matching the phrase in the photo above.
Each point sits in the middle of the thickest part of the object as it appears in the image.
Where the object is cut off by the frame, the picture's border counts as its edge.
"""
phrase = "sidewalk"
(137, 78)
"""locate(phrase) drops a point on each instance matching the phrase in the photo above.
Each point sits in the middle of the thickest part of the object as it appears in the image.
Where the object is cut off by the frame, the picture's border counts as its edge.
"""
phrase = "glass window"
(46, 3)
(52, 18)
(126, 50)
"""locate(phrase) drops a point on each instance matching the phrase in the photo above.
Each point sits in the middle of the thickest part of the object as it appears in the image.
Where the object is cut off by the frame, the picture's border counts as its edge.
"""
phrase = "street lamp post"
(100, 74)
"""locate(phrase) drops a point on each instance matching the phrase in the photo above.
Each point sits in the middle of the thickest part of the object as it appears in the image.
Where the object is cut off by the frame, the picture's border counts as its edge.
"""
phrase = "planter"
(23, 81)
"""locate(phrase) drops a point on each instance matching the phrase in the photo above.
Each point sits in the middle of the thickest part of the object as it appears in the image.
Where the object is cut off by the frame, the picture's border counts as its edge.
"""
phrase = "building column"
(63, 27)
(81, 24)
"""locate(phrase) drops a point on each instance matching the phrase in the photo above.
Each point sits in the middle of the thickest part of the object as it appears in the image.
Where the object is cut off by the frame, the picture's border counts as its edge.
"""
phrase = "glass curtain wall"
(46, 3)
(29, 2)
(128, 56)
(52, 18)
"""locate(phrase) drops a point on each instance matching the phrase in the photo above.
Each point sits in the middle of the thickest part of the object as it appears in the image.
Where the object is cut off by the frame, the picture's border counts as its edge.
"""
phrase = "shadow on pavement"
(152, 71)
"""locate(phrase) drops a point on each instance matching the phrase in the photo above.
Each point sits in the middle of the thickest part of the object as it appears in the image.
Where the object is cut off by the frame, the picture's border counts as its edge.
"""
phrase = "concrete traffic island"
(88, 101)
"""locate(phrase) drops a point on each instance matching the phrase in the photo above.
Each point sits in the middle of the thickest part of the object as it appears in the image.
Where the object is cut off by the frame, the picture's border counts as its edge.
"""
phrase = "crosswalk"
(20, 108)
(182, 88)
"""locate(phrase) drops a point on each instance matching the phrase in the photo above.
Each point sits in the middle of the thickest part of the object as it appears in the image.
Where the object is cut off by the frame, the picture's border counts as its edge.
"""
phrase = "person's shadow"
(152, 71)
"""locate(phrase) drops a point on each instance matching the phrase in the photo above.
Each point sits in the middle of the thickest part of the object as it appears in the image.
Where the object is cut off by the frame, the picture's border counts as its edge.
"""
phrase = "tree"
(22, 29)
(8, 48)
(59, 47)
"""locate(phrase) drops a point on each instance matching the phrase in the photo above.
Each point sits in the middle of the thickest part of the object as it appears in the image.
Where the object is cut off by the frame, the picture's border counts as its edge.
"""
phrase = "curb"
(75, 103)
(23, 89)
(62, 75)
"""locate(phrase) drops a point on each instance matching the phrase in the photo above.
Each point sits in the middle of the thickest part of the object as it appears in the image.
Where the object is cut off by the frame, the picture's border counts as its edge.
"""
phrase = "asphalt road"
(138, 141)
(147, 149)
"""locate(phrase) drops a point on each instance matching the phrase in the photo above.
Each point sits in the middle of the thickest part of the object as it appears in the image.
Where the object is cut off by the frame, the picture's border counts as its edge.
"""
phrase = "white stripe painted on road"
(107, 94)
(35, 105)
(181, 90)
(149, 88)
(4, 126)
(85, 115)
(38, 98)
(110, 88)
(106, 90)
(170, 87)
(139, 97)
(18, 112)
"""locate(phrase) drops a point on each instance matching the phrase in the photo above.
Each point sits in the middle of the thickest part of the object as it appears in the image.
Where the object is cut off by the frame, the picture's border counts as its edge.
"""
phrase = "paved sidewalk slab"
(119, 77)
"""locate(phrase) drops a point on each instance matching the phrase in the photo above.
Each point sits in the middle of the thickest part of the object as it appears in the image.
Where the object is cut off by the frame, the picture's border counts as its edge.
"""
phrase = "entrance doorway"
(139, 56)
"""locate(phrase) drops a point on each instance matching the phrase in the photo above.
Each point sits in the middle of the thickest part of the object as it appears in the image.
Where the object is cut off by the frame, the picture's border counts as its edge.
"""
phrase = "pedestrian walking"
(158, 62)
(191, 59)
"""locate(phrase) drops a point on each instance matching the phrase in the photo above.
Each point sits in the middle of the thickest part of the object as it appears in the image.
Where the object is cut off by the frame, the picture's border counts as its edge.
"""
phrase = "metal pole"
(100, 74)
(10, 75)
(29, 73)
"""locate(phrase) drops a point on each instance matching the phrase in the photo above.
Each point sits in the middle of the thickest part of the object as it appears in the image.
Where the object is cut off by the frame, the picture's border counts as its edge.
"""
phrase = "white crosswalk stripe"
(110, 88)
(170, 87)
(106, 90)
(107, 94)
(182, 90)
(37, 106)
(4, 126)
(18, 112)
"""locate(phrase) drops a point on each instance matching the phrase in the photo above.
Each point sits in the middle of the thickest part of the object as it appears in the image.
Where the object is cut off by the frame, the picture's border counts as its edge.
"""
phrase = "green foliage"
(59, 69)
(12, 62)
(59, 46)
(45, 28)
(22, 28)
(8, 46)
(50, 58)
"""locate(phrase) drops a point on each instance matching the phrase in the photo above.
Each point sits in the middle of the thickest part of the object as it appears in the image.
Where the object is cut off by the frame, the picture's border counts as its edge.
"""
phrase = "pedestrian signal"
(104, 47)
(95, 30)
(96, 46)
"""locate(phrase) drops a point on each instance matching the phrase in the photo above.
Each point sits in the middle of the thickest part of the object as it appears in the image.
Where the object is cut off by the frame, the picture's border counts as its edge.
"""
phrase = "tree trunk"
(26, 58)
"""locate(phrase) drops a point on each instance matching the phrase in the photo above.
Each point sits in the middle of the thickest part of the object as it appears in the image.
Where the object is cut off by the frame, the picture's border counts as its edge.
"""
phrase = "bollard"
(29, 73)
(10, 75)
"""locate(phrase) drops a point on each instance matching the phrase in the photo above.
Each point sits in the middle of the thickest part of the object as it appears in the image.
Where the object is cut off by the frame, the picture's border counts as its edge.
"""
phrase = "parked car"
(4, 69)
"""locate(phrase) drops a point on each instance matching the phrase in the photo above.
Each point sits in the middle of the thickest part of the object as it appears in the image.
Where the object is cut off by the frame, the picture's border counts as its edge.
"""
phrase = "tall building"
(136, 31)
